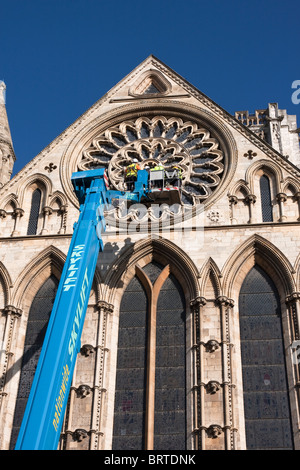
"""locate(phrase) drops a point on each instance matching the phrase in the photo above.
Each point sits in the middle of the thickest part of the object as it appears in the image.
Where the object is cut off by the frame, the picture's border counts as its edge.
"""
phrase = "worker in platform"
(131, 174)
(157, 176)
(178, 178)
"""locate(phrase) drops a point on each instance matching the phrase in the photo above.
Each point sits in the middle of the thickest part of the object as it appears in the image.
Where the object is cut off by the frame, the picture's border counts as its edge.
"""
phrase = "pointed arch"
(142, 253)
(58, 195)
(6, 284)
(42, 182)
(297, 272)
(210, 273)
(290, 184)
(10, 200)
(269, 168)
(47, 262)
(257, 250)
(151, 82)
(263, 331)
(240, 186)
(153, 302)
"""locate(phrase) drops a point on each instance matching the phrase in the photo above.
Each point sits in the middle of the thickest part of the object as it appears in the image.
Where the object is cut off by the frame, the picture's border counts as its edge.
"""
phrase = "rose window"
(156, 140)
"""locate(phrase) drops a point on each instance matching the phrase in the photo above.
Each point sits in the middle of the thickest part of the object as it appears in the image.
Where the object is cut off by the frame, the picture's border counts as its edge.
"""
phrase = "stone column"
(281, 198)
(293, 305)
(233, 200)
(226, 305)
(198, 383)
(67, 434)
(3, 214)
(46, 212)
(63, 211)
(250, 200)
(11, 313)
(297, 198)
(18, 213)
(104, 309)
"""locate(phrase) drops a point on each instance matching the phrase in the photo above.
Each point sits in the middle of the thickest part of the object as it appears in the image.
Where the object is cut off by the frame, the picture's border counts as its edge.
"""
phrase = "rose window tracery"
(158, 140)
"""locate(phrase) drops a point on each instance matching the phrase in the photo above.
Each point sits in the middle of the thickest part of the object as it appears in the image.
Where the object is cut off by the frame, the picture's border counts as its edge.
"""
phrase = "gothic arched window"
(34, 212)
(266, 201)
(150, 411)
(38, 318)
(266, 400)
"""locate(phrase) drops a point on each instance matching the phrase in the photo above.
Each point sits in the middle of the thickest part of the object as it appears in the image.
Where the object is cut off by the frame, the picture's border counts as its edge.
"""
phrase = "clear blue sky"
(58, 57)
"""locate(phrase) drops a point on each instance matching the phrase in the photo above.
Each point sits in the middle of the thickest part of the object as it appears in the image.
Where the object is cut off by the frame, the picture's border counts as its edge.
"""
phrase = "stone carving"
(83, 391)
(250, 154)
(87, 350)
(80, 434)
(214, 216)
(212, 345)
(214, 431)
(212, 387)
(51, 167)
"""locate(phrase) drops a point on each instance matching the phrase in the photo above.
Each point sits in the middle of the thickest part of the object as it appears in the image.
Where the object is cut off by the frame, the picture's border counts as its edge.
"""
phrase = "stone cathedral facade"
(191, 331)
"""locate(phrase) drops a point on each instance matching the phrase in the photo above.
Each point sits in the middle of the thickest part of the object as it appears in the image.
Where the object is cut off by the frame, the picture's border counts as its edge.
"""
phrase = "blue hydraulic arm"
(44, 413)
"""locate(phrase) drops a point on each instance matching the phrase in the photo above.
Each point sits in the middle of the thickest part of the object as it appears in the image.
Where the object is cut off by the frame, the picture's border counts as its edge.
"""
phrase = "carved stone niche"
(214, 431)
(83, 391)
(87, 349)
(212, 387)
(80, 434)
(212, 345)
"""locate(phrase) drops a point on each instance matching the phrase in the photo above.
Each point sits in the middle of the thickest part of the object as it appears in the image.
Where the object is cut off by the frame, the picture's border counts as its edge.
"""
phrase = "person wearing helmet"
(157, 178)
(178, 178)
(131, 174)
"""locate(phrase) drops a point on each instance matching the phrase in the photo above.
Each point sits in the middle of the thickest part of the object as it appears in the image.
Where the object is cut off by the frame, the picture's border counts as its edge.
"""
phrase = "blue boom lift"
(46, 405)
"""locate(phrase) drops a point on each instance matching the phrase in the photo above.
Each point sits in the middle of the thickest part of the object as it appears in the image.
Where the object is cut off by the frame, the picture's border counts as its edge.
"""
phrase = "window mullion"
(151, 357)
(150, 383)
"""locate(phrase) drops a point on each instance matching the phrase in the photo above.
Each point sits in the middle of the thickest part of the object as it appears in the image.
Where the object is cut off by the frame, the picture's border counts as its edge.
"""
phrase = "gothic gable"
(156, 116)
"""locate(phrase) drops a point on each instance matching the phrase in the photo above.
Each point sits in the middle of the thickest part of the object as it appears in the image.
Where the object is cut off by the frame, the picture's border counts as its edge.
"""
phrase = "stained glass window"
(132, 364)
(266, 202)
(129, 416)
(34, 212)
(153, 270)
(169, 417)
(39, 315)
(266, 400)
